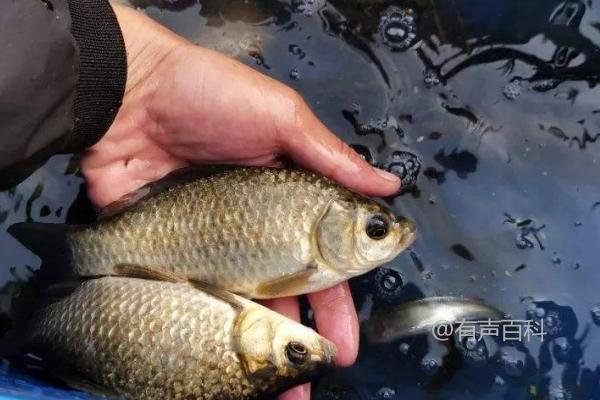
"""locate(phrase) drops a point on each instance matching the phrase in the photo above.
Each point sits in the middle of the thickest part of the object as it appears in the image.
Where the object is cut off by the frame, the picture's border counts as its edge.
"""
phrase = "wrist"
(148, 45)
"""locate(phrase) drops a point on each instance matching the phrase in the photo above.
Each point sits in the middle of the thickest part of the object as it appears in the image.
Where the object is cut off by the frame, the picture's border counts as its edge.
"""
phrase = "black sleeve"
(62, 77)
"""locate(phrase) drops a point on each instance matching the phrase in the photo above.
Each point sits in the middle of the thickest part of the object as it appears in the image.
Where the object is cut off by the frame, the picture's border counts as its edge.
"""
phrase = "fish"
(422, 316)
(258, 232)
(147, 339)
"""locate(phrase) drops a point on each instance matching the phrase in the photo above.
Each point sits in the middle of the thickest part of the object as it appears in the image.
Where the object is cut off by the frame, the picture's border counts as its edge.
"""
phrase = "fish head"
(355, 236)
(278, 353)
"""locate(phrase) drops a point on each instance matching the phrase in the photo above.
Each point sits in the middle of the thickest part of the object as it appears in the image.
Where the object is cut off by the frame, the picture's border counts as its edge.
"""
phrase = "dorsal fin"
(174, 178)
(220, 294)
(124, 203)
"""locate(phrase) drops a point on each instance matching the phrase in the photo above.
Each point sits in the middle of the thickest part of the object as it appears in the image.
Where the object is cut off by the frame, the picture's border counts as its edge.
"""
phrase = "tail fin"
(49, 242)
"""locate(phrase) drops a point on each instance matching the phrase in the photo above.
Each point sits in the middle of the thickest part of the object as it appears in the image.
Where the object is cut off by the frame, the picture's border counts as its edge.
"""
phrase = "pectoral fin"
(220, 294)
(138, 271)
(286, 285)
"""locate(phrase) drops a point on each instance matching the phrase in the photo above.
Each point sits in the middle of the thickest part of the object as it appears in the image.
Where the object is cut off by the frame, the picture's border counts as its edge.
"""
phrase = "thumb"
(313, 146)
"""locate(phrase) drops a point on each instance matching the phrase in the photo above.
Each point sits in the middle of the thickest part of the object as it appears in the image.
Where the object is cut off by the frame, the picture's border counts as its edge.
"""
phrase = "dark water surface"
(491, 112)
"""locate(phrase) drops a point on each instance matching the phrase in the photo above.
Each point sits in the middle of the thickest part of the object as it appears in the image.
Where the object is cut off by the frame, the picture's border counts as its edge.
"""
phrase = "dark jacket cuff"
(102, 70)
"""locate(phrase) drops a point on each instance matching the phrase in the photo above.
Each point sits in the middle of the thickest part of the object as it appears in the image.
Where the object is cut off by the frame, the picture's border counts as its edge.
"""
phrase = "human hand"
(186, 105)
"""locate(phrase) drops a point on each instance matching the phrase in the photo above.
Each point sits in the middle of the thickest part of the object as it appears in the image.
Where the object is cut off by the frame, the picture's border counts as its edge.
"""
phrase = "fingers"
(301, 392)
(336, 319)
(289, 307)
(309, 143)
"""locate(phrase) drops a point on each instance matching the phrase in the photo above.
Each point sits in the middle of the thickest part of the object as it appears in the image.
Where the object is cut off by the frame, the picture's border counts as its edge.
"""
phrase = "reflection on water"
(490, 113)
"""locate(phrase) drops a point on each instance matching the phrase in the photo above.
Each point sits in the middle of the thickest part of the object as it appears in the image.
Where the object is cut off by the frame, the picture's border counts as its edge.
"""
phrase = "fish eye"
(296, 353)
(377, 227)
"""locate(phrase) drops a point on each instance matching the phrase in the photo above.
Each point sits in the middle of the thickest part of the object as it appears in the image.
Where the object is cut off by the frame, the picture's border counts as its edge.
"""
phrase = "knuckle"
(295, 110)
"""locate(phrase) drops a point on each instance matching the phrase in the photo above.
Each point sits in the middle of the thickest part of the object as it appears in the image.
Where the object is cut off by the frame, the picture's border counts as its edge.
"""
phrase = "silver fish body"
(145, 339)
(421, 316)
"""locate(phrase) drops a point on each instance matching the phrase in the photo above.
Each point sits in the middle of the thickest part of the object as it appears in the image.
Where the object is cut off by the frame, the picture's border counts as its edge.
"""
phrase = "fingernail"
(388, 176)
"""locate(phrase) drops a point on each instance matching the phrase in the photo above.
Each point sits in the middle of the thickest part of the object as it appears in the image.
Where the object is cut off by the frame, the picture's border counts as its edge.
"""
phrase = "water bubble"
(561, 349)
(379, 126)
(523, 243)
(540, 312)
(559, 393)
(596, 314)
(397, 28)
(404, 348)
(558, 321)
(48, 5)
(429, 366)
(388, 284)
(553, 326)
(307, 7)
(556, 259)
(545, 85)
(294, 74)
(364, 152)
(472, 348)
(386, 393)
(470, 343)
(431, 79)
(512, 89)
(404, 165)
(513, 362)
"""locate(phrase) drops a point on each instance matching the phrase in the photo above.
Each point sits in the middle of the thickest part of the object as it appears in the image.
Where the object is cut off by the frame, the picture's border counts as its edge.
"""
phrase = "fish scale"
(101, 248)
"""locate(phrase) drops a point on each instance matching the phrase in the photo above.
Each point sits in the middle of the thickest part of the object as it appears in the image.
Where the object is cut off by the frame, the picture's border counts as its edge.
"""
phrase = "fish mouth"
(326, 360)
(409, 232)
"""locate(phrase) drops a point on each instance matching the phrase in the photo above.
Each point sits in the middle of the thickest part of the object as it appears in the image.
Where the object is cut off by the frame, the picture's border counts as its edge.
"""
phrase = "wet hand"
(186, 105)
